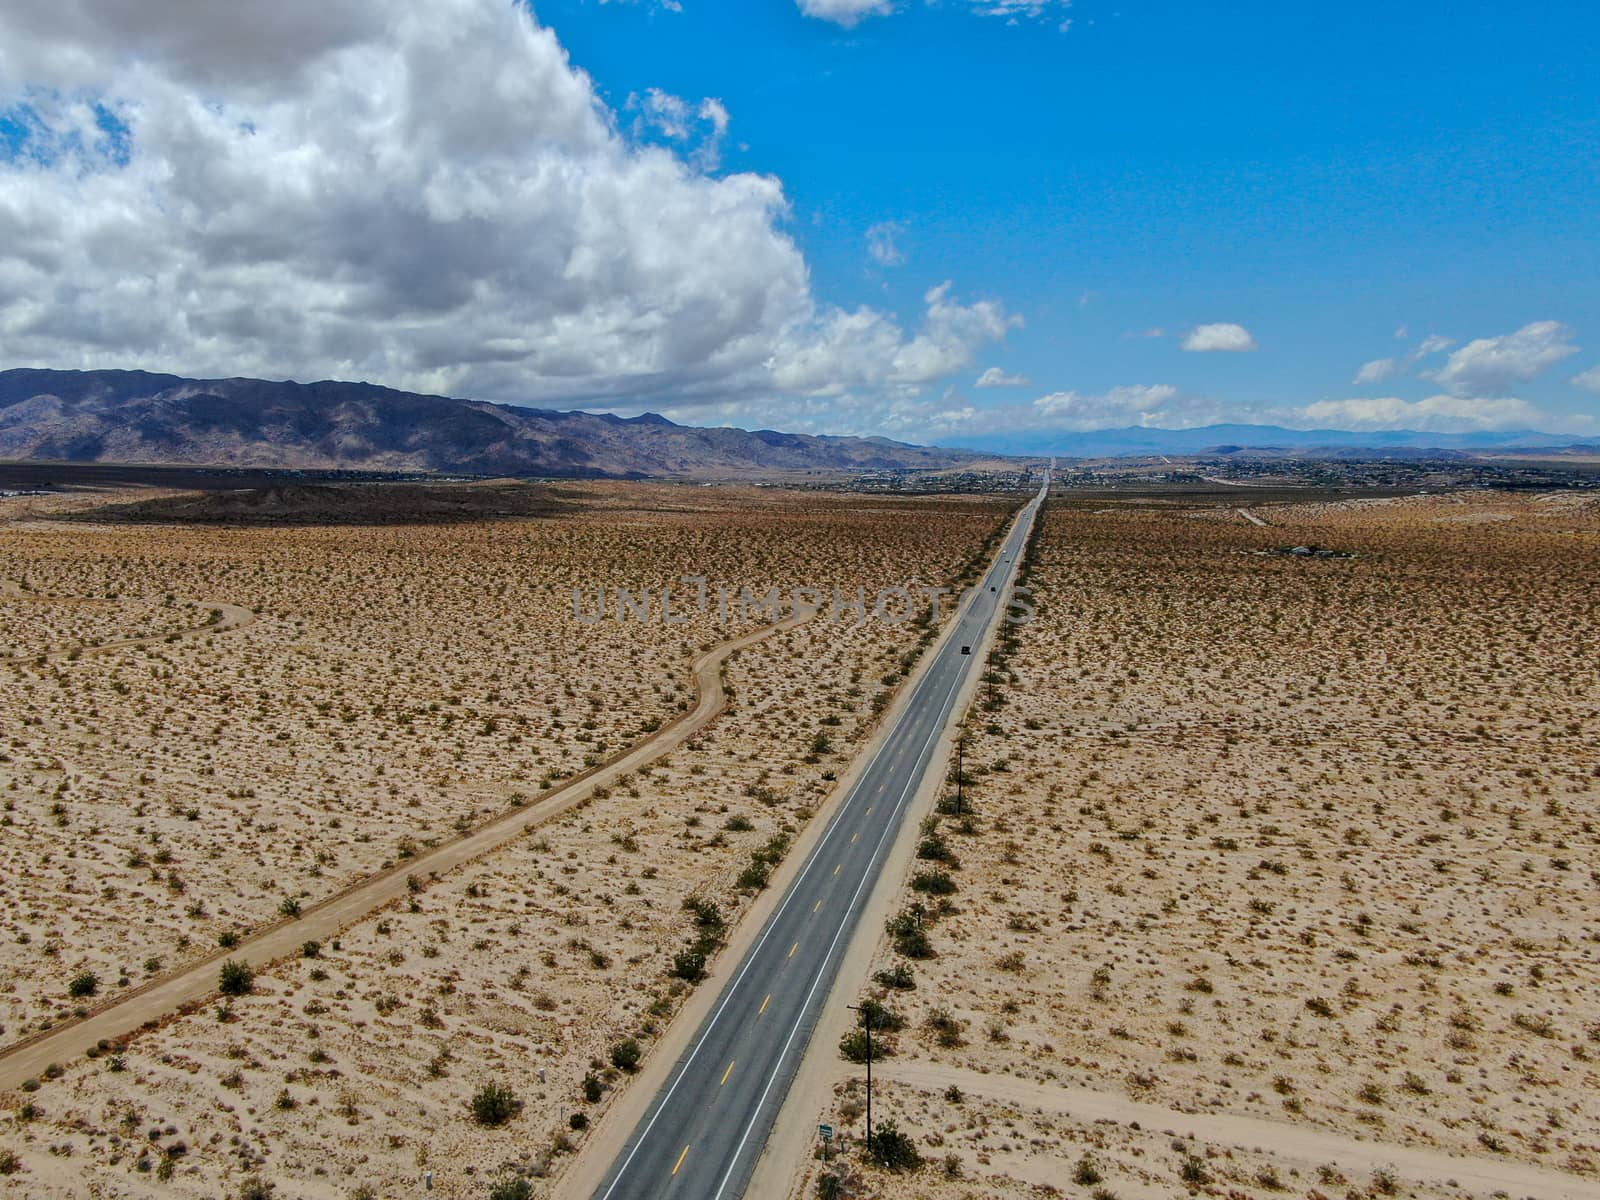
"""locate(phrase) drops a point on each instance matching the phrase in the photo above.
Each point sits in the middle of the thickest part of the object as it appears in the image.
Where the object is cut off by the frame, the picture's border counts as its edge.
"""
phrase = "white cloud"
(1589, 380)
(846, 12)
(995, 377)
(430, 196)
(1136, 404)
(1379, 369)
(698, 128)
(850, 12)
(1436, 414)
(1013, 10)
(842, 351)
(1493, 366)
(1222, 336)
(882, 243)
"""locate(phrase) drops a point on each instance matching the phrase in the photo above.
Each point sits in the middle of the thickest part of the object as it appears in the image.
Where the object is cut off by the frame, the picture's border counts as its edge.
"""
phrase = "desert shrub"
(706, 913)
(689, 964)
(494, 1104)
(625, 1056)
(910, 941)
(894, 1150)
(853, 1047)
(592, 1088)
(1194, 1171)
(876, 1015)
(236, 978)
(513, 1187)
(934, 883)
(898, 977)
(85, 983)
(1087, 1172)
(945, 1028)
(754, 877)
(256, 1188)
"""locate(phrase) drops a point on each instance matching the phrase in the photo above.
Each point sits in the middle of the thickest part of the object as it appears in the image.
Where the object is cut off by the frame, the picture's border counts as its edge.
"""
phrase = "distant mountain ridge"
(139, 417)
(1138, 440)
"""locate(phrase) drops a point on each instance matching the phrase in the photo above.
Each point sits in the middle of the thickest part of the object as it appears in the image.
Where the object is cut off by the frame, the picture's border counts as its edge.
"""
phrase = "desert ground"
(172, 779)
(1276, 872)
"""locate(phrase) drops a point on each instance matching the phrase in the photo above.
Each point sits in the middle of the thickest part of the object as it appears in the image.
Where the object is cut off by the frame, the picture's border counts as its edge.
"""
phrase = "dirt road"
(1291, 1144)
(195, 981)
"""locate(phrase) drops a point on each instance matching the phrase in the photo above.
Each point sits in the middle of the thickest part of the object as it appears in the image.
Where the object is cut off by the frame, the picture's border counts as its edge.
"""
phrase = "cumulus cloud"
(1137, 404)
(430, 196)
(1223, 336)
(866, 349)
(994, 377)
(883, 244)
(1493, 366)
(1589, 380)
(1436, 414)
(846, 12)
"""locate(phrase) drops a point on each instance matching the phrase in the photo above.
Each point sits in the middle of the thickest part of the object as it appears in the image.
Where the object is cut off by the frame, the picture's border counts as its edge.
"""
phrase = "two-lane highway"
(703, 1133)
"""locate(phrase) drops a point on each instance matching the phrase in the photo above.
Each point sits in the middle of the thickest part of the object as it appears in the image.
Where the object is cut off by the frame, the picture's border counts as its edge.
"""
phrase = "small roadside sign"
(826, 1132)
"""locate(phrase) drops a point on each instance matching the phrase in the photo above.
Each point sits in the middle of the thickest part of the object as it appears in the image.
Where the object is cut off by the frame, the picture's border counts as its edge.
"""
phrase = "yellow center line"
(869, 812)
(726, 1073)
(836, 869)
(818, 906)
(681, 1157)
(855, 835)
(793, 948)
(764, 1004)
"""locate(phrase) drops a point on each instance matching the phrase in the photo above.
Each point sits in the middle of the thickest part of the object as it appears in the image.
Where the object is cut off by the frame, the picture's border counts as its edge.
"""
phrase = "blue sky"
(830, 215)
(1323, 175)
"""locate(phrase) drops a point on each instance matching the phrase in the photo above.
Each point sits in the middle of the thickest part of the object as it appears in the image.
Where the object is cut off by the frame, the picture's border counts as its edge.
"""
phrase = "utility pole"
(961, 747)
(866, 1022)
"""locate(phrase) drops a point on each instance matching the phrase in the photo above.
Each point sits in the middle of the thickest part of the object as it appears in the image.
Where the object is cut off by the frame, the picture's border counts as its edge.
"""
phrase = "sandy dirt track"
(1288, 1143)
(228, 616)
(194, 982)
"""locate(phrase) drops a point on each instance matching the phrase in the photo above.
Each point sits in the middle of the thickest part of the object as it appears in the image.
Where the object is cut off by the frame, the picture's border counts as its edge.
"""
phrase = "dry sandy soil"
(1280, 851)
(394, 685)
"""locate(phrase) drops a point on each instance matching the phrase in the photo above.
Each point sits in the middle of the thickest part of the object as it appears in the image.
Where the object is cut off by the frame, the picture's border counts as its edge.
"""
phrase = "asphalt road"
(702, 1135)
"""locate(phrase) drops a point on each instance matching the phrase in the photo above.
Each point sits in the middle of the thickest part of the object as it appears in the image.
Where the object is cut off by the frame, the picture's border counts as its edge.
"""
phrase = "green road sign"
(826, 1131)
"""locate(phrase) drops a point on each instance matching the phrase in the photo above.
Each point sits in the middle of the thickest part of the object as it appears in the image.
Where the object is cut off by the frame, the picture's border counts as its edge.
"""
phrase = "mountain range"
(138, 417)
